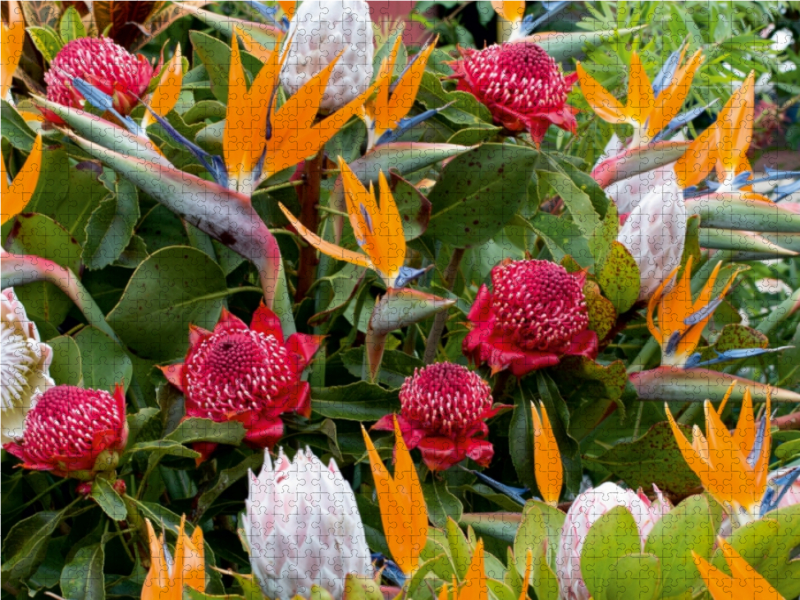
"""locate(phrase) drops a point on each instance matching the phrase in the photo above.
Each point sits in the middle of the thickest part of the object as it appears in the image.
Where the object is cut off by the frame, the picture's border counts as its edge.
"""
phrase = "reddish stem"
(309, 194)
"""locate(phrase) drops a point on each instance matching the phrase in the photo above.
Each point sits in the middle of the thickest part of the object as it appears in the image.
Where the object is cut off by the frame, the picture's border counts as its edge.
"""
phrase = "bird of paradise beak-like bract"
(681, 321)
(733, 467)
(745, 584)
(378, 229)
(547, 465)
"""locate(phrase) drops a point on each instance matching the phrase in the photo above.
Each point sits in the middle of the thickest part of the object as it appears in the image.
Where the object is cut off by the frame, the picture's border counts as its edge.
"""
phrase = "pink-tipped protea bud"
(24, 365)
(444, 409)
(245, 374)
(520, 84)
(584, 512)
(102, 63)
(535, 314)
(303, 528)
(73, 432)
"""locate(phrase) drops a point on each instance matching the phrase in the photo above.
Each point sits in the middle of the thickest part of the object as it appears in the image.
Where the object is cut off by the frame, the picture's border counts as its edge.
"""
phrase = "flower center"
(539, 304)
(520, 75)
(20, 356)
(238, 370)
(445, 398)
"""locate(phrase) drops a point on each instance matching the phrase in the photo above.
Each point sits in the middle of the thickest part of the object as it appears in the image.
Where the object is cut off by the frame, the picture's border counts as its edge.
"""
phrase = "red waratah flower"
(102, 63)
(520, 84)
(73, 432)
(535, 314)
(245, 374)
(444, 408)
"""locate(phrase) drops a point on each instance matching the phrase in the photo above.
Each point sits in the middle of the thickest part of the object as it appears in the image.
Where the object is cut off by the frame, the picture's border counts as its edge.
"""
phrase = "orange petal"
(695, 462)
(735, 126)
(745, 435)
(288, 7)
(406, 90)
(752, 582)
(194, 561)
(671, 99)
(242, 131)
(718, 583)
(640, 93)
(602, 102)
(510, 10)
(325, 247)
(166, 94)
(254, 47)
(548, 470)
(413, 510)
(655, 301)
(156, 582)
(17, 195)
(13, 38)
(475, 580)
(526, 580)
(390, 238)
(698, 160)
(356, 195)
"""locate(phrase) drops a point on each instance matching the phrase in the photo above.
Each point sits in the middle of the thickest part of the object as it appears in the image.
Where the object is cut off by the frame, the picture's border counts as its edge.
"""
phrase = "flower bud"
(319, 32)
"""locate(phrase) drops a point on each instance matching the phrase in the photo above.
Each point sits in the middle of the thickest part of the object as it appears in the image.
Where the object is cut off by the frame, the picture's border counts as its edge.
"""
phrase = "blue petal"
(704, 312)
(407, 275)
(102, 101)
(736, 354)
(407, 67)
(682, 119)
(404, 125)
(268, 12)
(752, 458)
(777, 489)
(390, 569)
(529, 24)
(512, 492)
(212, 163)
(667, 72)
(782, 191)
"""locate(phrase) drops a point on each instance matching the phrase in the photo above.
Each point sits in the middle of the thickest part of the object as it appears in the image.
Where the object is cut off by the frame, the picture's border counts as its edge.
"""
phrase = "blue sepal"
(777, 489)
(102, 101)
(406, 276)
(512, 492)
(390, 569)
(404, 125)
(667, 72)
(736, 354)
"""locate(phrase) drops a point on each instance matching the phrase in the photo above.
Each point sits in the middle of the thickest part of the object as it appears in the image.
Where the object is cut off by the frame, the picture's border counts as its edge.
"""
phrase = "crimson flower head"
(444, 408)
(73, 432)
(102, 63)
(535, 315)
(520, 84)
(245, 374)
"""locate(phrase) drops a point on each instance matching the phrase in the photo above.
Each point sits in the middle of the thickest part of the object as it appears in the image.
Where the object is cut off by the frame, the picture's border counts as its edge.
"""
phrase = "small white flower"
(319, 31)
(24, 365)
(303, 527)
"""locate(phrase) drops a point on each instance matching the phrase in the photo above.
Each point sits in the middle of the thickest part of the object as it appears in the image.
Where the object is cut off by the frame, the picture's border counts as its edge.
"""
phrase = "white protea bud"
(655, 234)
(25, 365)
(584, 512)
(303, 527)
(319, 31)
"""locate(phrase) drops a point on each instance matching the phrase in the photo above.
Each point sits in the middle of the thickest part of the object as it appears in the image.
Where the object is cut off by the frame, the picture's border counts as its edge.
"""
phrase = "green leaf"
(735, 336)
(41, 236)
(227, 477)
(619, 278)
(360, 401)
(493, 175)
(562, 238)
(66, 367)
(414, 208)
(15, 129)
(472, 136)
(634, 576)
(82, 577)
(602, 314)
(730, 211)
(460, 551)
(441, 503)
(174, 287)
(46, 41)
(103, 362)
(395, 366)
(109, 500)
(216, 57)
(71, 25)
(654, 458)
(577, 201)
(520, 440)
(687, 527)
(500, 525)
(205, 430)
(610, 538)
(25, 545)
(110, 226)
(465, 111)
(157, 449)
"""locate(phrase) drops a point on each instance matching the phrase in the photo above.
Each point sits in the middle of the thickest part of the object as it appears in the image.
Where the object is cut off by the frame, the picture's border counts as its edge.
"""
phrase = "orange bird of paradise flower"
(646, 113)
(403, 510)
(681, 321)
(168, 575)
(733, 468)
(745, 584)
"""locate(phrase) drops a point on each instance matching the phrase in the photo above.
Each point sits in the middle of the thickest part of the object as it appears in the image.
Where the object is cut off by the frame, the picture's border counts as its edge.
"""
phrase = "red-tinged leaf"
(733, 211)
(637, 160)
